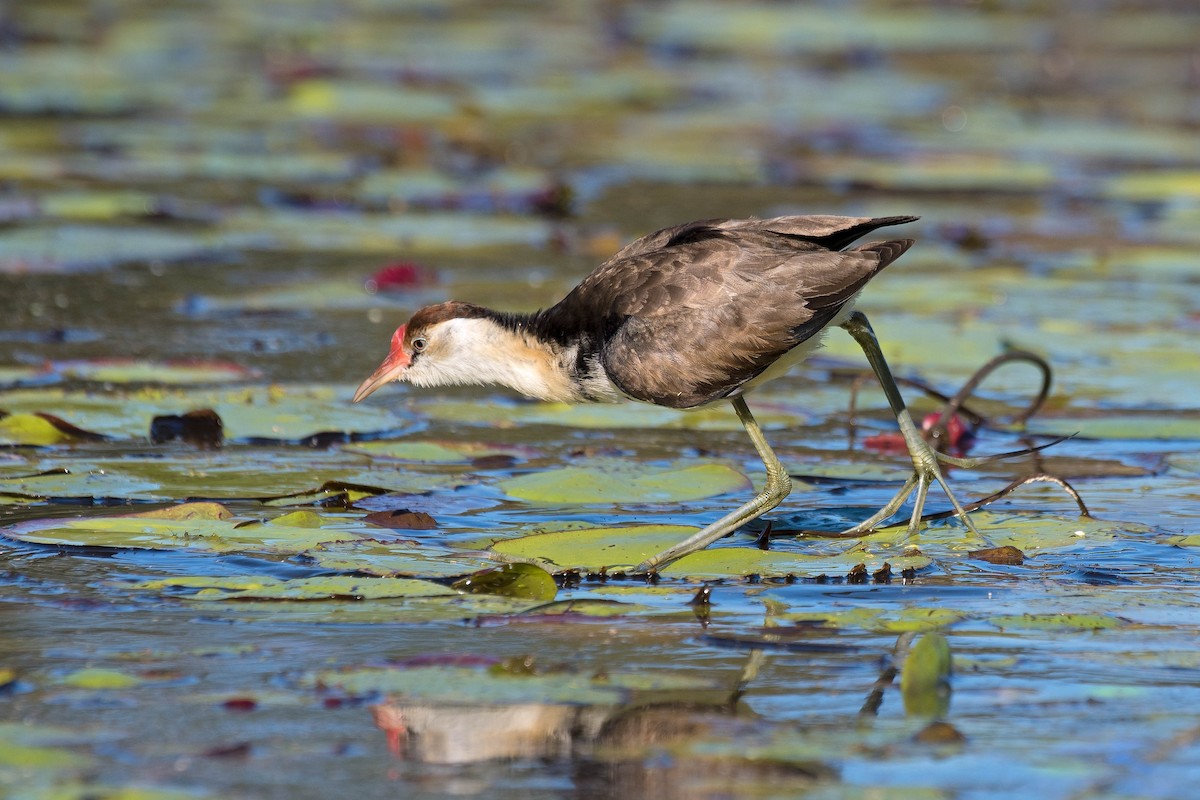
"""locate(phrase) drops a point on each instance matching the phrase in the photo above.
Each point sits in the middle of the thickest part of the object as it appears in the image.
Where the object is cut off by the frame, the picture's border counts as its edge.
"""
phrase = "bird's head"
(442, 345)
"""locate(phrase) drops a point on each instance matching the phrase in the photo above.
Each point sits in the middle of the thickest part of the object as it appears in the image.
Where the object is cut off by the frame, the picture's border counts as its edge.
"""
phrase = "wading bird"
(685, 317)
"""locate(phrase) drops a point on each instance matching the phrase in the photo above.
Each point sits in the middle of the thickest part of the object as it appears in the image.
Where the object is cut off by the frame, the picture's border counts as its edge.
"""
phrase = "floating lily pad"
(625, 482)
(770, 414)
(278, 477)
(100, 678)
(397, 560)
(334, 587)
(1123, 426)
(208, 531)
(294, 230)
(809, 29)
(80, 247)
(739, 561)
(40, 430)
(915, 618)
(117, 370)
(251, 413)
(593, 548)
(525, 581)
(20, 750)
(428, 451)
(1055, 622)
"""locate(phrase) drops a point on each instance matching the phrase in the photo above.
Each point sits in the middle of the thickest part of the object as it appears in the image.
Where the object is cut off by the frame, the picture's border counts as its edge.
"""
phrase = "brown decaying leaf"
(999, 555)
(402, 518)
(201, 427)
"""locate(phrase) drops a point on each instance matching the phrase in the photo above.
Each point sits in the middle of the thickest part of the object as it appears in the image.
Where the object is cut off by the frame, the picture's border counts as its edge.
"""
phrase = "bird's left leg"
(778, 486)
(925, 458)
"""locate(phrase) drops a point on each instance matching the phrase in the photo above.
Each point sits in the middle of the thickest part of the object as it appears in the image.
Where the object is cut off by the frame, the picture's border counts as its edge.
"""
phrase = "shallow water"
(192, 200)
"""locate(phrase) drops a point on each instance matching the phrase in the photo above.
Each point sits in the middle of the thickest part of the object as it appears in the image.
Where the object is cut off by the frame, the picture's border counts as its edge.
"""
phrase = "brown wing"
(692, 313)
(828, 231)
(747, 309)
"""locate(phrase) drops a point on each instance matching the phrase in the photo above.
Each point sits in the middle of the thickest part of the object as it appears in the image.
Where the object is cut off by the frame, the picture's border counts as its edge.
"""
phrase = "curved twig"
(1041, 477)
(955, 404)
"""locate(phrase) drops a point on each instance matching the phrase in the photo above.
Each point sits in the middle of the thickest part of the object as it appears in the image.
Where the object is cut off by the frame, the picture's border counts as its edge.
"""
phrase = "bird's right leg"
(924, 457)
(778, 486)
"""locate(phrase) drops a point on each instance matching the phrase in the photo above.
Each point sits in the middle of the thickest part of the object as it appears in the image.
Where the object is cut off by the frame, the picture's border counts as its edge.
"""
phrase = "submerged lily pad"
(625, 482)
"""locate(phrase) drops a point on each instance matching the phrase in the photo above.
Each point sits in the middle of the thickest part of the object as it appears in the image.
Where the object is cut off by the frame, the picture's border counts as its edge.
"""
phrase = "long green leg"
(778, 486)
(925, 458)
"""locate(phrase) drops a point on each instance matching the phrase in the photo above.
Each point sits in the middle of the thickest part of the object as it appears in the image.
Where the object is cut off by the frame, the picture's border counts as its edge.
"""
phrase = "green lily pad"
(427, 451)
(913, 618)
(412, 610)
(96, 206)
(335, 587)
(716, 562)
(815, 29)
(129, 370)
(1034, 533)
(397, 560)
(202, 531)
(625, 482)
(100, 678)
(1122, 426)
(276, 412)
(72, 247)
(588, 607)
(768, 412)
(593, 548)
(302, 230)
(524, 581)
(1055, 622)
(278, 476)
(34, 429)
(40, 758)
(925, 677)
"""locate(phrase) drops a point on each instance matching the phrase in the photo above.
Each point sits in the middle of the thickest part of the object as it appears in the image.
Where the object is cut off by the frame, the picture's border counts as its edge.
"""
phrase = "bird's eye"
(419, 343)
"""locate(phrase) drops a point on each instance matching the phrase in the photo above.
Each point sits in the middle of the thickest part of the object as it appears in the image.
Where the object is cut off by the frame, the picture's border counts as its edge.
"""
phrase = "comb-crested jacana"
(684, 317)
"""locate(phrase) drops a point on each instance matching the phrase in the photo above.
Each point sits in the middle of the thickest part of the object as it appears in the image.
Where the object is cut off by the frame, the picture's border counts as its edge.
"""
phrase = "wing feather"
(690, 314)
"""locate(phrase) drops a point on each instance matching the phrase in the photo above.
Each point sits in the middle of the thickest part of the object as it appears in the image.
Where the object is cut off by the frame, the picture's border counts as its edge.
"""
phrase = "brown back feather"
(690, 314)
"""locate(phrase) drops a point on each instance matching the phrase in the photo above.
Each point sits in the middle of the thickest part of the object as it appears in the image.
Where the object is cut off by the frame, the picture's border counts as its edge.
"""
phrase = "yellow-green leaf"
(925, 678)
(626, 482)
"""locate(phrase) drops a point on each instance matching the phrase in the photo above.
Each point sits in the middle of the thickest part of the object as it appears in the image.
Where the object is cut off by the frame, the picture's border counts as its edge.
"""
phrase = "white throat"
(476, 352)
